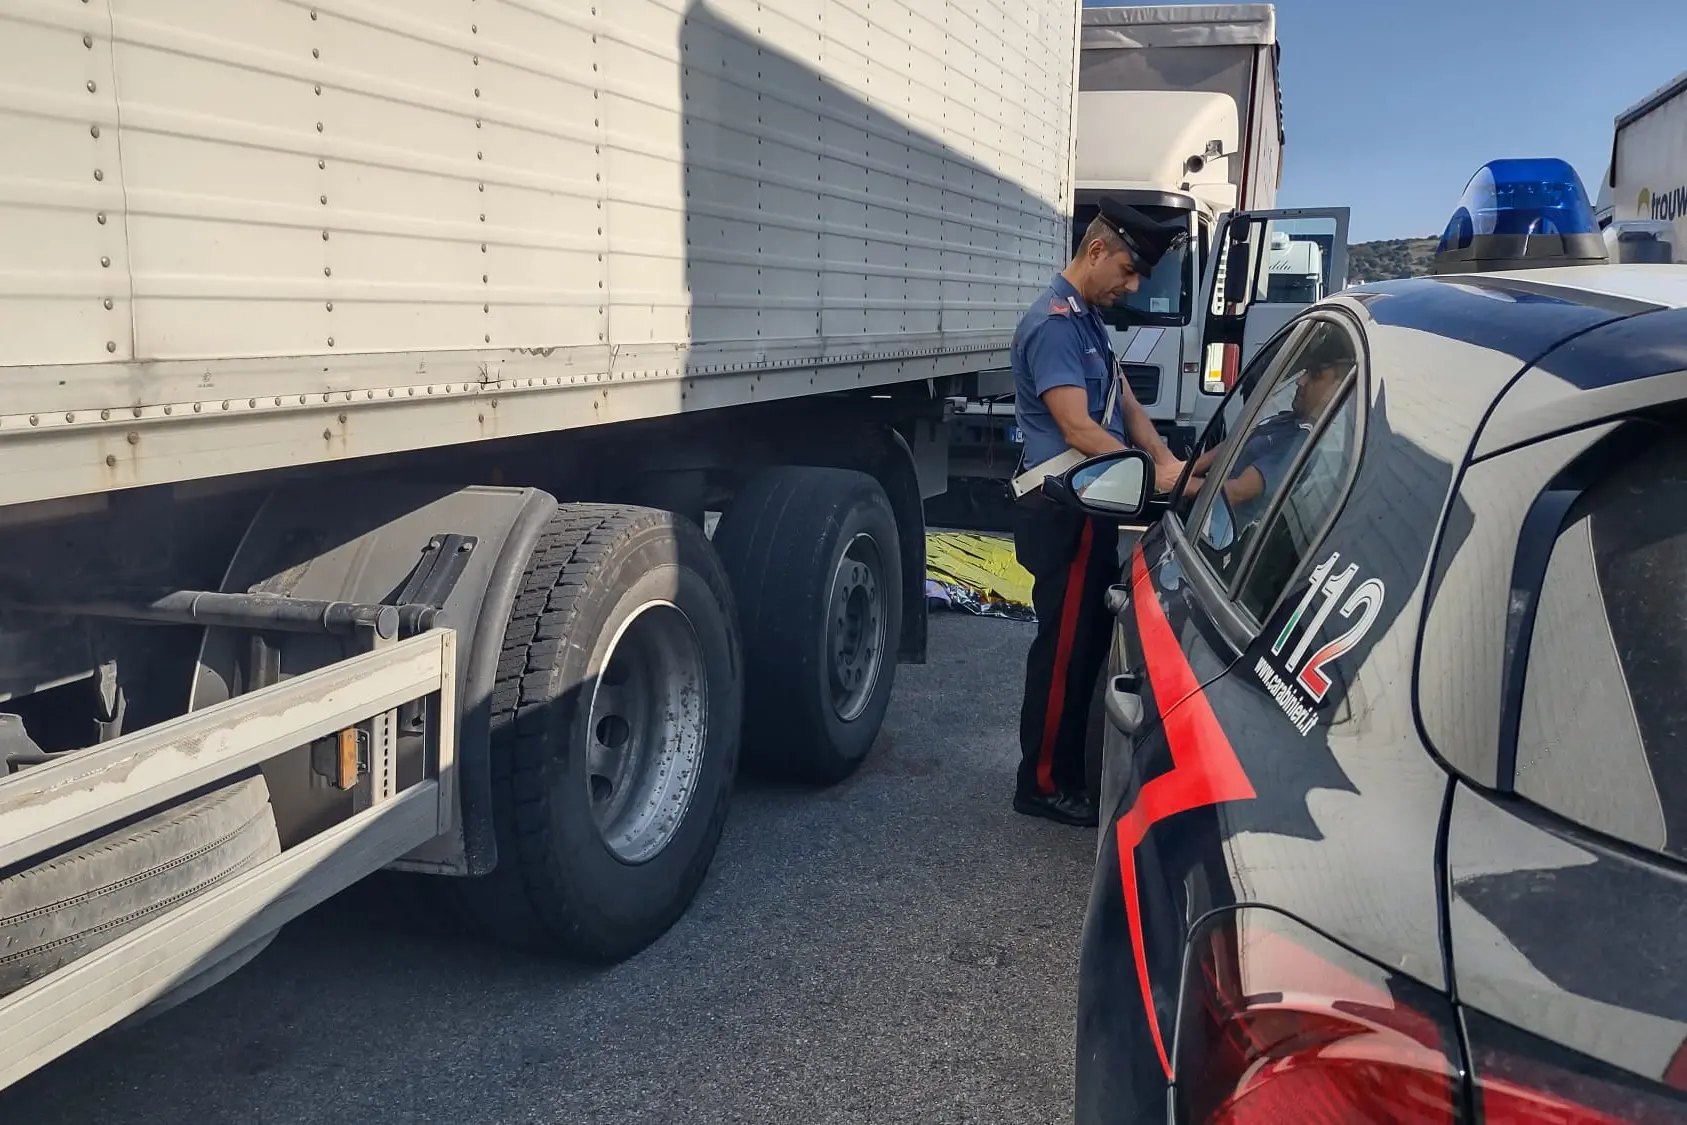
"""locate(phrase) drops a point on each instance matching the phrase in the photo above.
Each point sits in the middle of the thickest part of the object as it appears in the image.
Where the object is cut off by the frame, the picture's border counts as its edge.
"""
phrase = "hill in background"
(1388, 259)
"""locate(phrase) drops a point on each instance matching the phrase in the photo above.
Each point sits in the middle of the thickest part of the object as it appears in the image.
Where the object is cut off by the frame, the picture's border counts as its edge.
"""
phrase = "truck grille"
(1144, 382)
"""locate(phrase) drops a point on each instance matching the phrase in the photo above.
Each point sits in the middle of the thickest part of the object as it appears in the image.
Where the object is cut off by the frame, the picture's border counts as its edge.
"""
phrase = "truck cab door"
(1266, 267)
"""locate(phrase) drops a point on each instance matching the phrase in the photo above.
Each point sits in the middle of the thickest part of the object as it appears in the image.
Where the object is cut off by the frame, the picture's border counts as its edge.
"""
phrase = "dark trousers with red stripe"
(1072, 560)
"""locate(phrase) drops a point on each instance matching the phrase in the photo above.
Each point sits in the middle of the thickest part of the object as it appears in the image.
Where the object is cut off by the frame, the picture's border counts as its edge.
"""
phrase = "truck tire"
(815, 563)
(94, 892)
(615, 721)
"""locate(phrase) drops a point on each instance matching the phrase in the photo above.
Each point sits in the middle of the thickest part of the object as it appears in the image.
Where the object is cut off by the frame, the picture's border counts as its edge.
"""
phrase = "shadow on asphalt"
(900, 948)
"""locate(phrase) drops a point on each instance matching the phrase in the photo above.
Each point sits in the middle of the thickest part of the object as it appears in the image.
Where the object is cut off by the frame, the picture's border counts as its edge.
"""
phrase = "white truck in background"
(1642, 202)
(371, 369)
(1180, 115)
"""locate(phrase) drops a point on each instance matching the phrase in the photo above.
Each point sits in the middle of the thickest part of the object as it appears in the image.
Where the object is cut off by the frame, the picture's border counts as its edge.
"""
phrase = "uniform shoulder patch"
(1059, 308)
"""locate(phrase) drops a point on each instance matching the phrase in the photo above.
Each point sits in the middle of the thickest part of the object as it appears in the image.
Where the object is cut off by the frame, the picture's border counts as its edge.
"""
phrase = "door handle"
(1118, 598)
(1123, 704)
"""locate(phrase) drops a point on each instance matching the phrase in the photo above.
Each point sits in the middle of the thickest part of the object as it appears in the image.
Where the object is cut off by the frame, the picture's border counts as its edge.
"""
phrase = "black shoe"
(1063, 808)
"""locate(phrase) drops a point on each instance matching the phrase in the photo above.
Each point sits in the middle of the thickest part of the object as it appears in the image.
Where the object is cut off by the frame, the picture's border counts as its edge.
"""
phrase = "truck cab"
(1284, 260)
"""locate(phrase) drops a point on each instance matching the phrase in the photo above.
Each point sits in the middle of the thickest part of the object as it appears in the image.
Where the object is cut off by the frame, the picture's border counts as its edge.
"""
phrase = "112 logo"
(1362, 598)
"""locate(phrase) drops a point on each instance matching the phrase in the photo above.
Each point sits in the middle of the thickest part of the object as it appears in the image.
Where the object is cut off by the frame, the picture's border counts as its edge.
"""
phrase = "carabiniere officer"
(1064, 375)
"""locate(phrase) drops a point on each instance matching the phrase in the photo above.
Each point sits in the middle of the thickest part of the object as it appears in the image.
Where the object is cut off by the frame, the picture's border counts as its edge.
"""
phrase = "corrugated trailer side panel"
(250, 233)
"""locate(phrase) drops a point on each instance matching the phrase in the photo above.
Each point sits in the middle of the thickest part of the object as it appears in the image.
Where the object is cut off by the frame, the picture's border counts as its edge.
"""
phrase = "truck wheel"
(93, 893)
(614, 734)
(816, 568)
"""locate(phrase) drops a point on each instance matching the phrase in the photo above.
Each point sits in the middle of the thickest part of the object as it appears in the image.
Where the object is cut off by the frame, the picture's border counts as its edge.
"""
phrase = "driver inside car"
(1270, 447)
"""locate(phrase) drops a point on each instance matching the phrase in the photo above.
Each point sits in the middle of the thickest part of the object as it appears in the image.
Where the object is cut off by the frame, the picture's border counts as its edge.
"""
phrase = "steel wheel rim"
(645, 732)
(855, 628)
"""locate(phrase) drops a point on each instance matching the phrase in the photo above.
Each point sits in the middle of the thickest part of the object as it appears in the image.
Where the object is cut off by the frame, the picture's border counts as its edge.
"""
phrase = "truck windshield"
(1165, 296)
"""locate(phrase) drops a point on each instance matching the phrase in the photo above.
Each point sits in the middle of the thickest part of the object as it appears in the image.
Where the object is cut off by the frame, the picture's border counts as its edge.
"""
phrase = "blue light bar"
(1520, 213)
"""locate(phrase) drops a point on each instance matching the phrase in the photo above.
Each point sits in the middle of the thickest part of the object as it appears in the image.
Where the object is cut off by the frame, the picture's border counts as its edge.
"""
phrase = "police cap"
(1146, 239)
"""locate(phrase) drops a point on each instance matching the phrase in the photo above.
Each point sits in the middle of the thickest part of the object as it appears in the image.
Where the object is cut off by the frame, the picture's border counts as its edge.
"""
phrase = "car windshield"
(1165, 295)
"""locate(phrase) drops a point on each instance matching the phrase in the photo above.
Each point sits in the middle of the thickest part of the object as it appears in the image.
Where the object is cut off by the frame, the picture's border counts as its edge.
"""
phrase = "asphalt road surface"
(901, 948)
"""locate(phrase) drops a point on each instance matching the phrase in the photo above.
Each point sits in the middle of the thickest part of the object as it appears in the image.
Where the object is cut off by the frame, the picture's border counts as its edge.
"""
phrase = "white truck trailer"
(1180, 115)
(1643, 200)
(369, 372)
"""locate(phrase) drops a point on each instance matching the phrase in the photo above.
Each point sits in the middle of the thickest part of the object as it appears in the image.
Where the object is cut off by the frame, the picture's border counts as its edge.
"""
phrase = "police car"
(1394, 787)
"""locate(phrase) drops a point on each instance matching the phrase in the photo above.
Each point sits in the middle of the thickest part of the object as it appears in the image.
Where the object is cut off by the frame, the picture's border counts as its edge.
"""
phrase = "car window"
(1304, 389)
(1603, 716)
(1312, 498)
(1229, 418)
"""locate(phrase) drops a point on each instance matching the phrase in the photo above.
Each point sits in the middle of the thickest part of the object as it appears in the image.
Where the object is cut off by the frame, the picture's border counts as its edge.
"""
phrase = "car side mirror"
(1113, 485)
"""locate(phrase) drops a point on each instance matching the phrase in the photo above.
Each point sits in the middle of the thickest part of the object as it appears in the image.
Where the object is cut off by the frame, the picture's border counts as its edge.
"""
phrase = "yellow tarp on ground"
(983, 564)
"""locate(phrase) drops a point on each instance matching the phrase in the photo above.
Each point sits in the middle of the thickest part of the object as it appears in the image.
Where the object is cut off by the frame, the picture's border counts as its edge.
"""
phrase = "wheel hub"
(646, 731)
(855, 628)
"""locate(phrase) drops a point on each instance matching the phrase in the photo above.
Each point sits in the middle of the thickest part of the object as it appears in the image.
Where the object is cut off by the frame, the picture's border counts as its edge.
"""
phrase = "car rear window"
(1602, 730)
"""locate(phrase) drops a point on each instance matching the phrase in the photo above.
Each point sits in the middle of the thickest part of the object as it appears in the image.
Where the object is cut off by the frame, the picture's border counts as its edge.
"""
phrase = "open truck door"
(1266, 267)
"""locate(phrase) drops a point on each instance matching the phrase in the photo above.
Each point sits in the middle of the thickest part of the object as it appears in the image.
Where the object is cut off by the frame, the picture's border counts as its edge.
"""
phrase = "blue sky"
(1390, 105)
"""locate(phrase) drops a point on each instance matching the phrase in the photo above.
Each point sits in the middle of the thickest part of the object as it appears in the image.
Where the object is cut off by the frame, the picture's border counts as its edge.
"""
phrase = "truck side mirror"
(1238, 283)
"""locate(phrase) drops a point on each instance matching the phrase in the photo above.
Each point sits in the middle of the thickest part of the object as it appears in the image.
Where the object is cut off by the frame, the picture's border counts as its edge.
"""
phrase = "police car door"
(1266, 267)
(1195, 730)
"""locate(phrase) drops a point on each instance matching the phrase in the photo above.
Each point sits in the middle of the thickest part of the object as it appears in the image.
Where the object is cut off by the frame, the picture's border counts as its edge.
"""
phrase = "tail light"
(1279, 1024)
(1519, 1079)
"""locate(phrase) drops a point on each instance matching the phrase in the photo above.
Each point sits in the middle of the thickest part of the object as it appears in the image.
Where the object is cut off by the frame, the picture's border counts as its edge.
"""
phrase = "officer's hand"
(1165, 476)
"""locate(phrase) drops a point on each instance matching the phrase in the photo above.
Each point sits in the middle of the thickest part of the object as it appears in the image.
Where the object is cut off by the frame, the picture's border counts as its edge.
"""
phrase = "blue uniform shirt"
(1061, 341)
